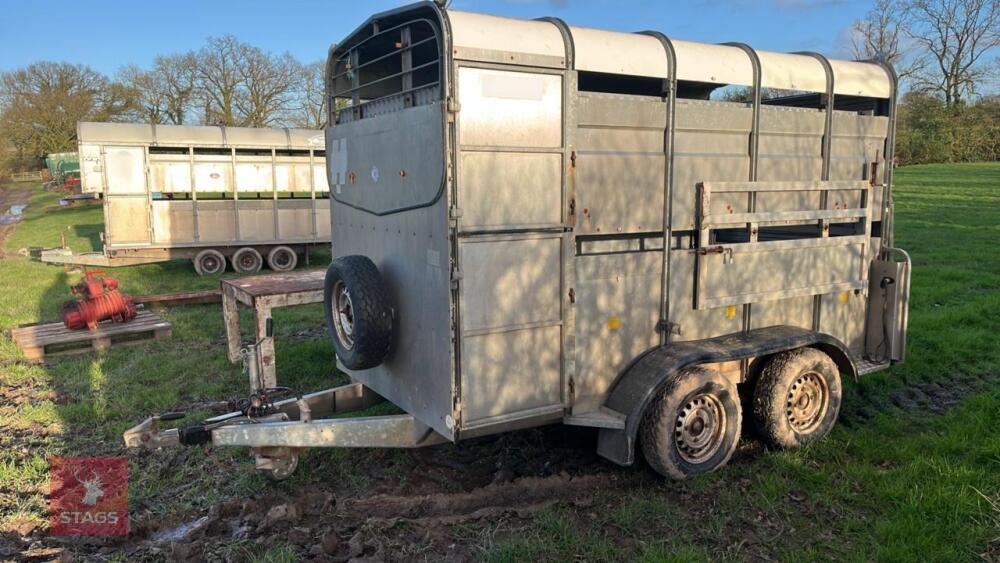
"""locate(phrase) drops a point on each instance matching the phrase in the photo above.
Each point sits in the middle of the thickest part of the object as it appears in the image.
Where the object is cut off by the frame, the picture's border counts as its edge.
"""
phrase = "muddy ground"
(12, 194)
(438, 508)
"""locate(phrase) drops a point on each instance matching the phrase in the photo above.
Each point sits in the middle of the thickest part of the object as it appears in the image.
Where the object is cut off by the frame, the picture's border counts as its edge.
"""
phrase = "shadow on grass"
(91, 233)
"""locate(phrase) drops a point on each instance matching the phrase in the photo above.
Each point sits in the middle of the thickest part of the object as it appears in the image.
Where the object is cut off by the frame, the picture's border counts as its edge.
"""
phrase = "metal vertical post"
(824, 195)
(754, 151)
(664, 325)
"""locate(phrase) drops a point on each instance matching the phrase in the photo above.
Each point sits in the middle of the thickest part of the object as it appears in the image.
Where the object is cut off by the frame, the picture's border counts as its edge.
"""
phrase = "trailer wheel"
(797, 398)
(693, 424)
(281, 468)
(358, 312)
(209, 262)
(247, 260)
(282, 259)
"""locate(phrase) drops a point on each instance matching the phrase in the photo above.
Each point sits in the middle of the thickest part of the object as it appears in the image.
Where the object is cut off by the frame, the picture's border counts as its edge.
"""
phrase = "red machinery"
(97, 299)
(71, 184)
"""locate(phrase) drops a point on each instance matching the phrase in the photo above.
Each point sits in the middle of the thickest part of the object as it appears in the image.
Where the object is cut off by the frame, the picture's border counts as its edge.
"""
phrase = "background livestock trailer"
(205, 193)
(535, 222)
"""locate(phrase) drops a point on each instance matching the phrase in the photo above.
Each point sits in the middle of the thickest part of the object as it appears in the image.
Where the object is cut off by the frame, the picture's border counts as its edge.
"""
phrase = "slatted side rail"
(748, 272)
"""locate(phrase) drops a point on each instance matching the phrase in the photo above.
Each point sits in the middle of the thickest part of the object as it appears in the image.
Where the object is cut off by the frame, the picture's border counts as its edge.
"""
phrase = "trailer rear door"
(126, 200)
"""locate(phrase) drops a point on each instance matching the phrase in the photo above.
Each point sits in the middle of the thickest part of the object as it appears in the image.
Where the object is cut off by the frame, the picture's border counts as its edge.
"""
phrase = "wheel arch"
(646, 376)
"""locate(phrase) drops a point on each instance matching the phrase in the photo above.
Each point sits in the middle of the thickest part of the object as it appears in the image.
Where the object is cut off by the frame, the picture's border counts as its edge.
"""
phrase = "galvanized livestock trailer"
(254, 196)
(538, 223)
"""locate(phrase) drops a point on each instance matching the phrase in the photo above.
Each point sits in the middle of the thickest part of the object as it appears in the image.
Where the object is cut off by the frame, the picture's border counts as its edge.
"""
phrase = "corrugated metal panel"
(711, 143)
(619, 53)
(619, 185)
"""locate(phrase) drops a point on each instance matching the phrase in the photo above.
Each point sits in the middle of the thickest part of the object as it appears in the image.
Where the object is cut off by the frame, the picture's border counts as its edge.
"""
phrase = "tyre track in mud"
(923, 398)
(509, 476)
(497, 479)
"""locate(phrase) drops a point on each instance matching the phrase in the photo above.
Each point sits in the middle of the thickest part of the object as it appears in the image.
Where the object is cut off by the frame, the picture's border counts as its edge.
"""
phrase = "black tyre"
(693, 425)
(209, 262)
(247, 260)
(797, 398)
(282, 259)
(358, 312)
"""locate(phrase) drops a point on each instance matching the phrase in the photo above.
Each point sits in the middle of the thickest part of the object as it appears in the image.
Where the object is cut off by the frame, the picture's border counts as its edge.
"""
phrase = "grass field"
(912, 473)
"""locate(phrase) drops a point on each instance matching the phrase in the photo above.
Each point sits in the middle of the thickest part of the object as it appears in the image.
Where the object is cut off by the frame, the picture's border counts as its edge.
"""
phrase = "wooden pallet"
(54, 339)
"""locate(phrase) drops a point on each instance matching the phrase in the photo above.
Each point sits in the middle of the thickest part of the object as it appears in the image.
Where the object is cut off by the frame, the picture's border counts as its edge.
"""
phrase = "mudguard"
(645, 377)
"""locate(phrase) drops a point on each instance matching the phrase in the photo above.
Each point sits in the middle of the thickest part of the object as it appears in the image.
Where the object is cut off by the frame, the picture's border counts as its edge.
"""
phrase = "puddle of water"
(14, 215)
(181, 532)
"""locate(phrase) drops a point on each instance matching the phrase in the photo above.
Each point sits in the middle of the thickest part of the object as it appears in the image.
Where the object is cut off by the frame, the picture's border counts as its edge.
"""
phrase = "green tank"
(63, 164)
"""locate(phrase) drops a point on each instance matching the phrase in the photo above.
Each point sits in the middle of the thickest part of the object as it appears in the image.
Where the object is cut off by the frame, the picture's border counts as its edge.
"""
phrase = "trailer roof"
(546, 42)
(199, 135)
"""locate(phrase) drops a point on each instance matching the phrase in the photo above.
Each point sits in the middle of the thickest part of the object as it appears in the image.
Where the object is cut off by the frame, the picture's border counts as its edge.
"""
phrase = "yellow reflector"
(614, 323)
(730, 311)
(845, 296)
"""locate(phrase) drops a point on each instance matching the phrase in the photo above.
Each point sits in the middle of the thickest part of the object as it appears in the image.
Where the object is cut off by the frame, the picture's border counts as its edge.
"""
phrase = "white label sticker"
(375, 174)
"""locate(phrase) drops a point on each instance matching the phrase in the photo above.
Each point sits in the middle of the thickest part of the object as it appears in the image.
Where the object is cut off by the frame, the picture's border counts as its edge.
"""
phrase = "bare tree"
(242, 85)
(176, 77)
(218, 79)
(957, 34)
(267, 86)
(882, 35)
(144, 94)
(310, 112)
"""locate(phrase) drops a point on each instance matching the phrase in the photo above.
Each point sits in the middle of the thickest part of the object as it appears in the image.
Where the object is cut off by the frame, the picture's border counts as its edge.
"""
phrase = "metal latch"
(726, 251)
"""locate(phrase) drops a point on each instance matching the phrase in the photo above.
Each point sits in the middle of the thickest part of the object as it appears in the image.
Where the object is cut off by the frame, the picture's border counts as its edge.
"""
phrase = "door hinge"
(572, 159)
(453, 105)
(454, 214)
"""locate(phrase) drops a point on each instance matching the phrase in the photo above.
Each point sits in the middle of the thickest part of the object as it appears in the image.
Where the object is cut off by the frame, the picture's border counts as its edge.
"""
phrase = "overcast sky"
(109, 34)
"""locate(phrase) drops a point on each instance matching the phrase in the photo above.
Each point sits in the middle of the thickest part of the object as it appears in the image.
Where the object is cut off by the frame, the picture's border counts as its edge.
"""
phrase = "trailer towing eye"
(147, 433)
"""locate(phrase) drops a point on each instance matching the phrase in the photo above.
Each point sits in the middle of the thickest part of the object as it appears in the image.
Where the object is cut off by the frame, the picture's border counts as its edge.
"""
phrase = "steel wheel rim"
(700, 428)
(282, 259)
(283, 467)
(248, 261)
(343, 315)
(209, 264)
(808, 401)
